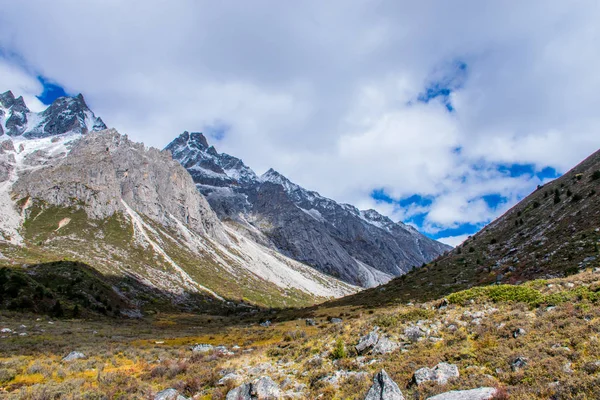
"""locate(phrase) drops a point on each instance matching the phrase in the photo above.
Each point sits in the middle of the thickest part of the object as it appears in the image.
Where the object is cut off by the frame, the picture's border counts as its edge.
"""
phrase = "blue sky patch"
(217, 130)
(441, 88)
(464, 229)
(51, 92)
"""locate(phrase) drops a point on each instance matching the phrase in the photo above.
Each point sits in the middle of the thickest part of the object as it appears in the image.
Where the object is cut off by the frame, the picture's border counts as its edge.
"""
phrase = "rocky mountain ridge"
(360, 247)
(133, 213)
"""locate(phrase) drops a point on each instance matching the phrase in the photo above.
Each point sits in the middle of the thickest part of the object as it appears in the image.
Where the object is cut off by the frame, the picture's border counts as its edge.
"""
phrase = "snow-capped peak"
(64, 115)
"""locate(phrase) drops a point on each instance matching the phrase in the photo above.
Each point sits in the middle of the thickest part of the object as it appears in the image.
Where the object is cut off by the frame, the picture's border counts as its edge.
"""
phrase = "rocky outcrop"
(108, 173)
(483, 393)
(384, 388)
(360, 247)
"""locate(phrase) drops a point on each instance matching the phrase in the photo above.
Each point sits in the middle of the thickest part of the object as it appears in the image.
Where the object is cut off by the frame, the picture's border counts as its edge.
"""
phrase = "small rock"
(310, 322)
(5, 330)
(336, 320)
(228, 378)
(202, 348)
(169, 394)
(441, 373)
(413, 333)
(518, 332)
(518, 363)
(482, 393)
(74, 355)
(384, 388)
(265, 324)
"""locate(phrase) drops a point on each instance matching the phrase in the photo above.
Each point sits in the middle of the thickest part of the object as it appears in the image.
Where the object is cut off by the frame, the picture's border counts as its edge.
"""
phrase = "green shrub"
(498, 293)
(339, 351)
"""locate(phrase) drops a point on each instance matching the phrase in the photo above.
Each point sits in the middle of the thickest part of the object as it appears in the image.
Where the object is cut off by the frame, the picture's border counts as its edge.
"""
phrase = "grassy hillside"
(111, 247)
(553, 232)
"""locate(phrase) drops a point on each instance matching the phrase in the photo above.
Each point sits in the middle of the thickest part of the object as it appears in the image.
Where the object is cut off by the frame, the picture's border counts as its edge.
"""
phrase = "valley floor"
(539, 340)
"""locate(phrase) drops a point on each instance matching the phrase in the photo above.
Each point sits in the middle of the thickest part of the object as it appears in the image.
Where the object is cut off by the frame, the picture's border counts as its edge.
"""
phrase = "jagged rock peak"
(64, 115)
(108, 171)
(7, 99)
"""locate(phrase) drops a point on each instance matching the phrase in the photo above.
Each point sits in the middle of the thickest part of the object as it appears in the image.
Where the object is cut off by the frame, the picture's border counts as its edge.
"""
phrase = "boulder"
(74, 355)
(169, 394)
(413, 333)
(384, 388)
(367, 342)
(441, 373)
(384, 346)
(265, 324)
(263, 388)
(227, 378)
(336, 320)
(310, 322)
(242, 392)
(482, 393)
(375, 343)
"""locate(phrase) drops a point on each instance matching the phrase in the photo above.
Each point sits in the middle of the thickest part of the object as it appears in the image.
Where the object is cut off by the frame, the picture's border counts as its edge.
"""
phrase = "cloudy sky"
(440, 114)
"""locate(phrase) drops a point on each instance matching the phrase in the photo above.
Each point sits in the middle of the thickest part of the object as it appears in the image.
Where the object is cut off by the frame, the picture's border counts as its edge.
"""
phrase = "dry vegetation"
(558, 337)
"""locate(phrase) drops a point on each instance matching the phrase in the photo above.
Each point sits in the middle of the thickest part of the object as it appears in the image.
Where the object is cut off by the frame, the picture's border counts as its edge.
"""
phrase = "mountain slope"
(359, 247)
(553, 232)
(133, 212)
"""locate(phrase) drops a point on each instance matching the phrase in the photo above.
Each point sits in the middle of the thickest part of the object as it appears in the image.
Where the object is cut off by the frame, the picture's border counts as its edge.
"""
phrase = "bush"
(498, 293)
(596, 175)
(576, 197)
(339, 351)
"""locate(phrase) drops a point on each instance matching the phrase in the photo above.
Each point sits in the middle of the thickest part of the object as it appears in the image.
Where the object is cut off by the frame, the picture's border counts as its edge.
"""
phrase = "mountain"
(135, 215)
(363, 248)
(553, 232)
(66, 114)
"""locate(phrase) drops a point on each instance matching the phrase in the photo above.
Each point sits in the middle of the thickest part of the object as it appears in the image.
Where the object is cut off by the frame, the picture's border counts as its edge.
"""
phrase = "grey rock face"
(109, 173)
(441, 373)
(5, 170)
(384, 388)
(483, 393)
(359, 247)
(169, 394)
(65, 114)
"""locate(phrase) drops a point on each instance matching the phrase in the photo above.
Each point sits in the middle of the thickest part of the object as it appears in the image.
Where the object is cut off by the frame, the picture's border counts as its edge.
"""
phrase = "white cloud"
(21, 83)
(321, 90)
(454, 240)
